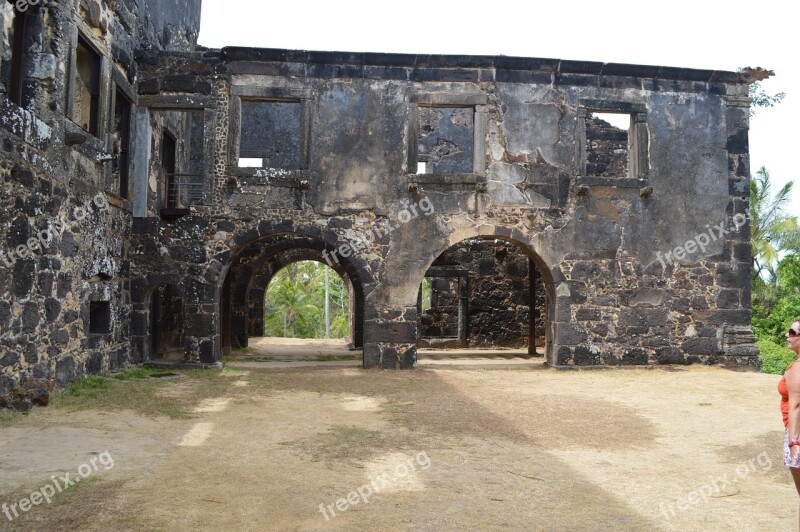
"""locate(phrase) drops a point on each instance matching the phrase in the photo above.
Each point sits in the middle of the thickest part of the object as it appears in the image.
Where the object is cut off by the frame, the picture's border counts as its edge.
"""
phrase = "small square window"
(446, 134)
(446, 140)
(607, 144)
(99, 317)
(615, 142)
(271, 134)
(86, 96)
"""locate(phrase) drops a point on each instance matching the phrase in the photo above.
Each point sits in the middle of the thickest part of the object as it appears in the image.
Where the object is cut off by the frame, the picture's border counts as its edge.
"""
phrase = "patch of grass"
(255, 359)
(132, 390)
(243, 350)
(71, 509)
(200, 373)
(137, 373)
(88, 387)
(8, 418)
(331, 358)
(233, 371)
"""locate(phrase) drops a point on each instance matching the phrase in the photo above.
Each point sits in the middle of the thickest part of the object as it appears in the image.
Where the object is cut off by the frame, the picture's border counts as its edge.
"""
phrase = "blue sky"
(722, 36)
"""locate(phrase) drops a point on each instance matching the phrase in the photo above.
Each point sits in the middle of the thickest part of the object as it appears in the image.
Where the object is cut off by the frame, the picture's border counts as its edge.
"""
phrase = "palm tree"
(771, 231)
(292, 299)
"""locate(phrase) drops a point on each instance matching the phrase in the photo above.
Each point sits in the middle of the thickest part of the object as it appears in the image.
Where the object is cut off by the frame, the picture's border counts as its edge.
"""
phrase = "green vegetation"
(762, 99)
(295, 302)
(775, 237)
(772, 231)
(133, 389)
(776, 358)
(136, 373)
(331, 358)
(426, 294)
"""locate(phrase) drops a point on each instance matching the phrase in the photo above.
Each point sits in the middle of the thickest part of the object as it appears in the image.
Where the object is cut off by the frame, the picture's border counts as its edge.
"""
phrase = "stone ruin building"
(152, 187)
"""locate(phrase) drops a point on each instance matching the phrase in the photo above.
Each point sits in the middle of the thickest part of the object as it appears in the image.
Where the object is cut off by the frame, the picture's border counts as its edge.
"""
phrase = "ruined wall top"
(469, 68)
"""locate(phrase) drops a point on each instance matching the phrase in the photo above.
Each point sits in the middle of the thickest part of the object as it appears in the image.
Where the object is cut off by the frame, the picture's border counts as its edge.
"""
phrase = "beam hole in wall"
(99, 317)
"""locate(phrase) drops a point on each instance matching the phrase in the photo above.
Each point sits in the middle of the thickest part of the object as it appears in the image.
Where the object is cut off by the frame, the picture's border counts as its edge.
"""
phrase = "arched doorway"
(248, 278)
(485, 292)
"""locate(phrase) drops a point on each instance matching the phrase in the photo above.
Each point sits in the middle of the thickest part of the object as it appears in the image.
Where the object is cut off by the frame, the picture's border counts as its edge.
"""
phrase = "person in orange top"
(789, 388)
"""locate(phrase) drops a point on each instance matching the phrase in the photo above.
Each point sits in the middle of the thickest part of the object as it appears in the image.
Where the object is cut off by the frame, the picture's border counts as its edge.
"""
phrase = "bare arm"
(792, 377)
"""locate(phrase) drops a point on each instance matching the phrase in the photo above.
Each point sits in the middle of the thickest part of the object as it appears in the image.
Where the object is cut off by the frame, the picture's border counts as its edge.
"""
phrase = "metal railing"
(184, 190)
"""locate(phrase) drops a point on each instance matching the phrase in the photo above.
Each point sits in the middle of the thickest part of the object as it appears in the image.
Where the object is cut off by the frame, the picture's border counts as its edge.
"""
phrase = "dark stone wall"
(442, 319)
(606, 149)
(60, 185)
(445, 139)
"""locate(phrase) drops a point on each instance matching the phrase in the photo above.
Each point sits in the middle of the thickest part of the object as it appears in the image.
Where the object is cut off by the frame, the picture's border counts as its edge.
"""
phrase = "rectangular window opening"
(86, 98)
(182, 161)
(121, 136)
(271, 133)
(99, 317)
(16, 35)
(168, 164)
(422, 167)
(446, 139)
(608, 144)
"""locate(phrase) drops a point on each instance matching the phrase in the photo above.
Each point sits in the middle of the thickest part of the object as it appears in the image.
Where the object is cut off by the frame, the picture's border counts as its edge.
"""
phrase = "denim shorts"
(787, 455)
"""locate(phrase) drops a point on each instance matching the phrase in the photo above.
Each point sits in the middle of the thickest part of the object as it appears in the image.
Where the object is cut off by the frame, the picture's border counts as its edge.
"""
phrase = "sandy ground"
(441, 449)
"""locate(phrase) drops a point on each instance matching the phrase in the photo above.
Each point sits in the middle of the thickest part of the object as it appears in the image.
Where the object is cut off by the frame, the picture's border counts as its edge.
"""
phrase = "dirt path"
(440, 449)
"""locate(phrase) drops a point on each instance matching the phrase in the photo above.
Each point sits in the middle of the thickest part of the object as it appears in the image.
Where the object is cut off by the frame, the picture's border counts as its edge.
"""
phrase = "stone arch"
(521, 242)
(271, 265)
(239, 273)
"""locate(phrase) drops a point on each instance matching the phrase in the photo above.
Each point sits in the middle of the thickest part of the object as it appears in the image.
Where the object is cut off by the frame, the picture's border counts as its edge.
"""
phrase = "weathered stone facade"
(201, 171)
(65, 223)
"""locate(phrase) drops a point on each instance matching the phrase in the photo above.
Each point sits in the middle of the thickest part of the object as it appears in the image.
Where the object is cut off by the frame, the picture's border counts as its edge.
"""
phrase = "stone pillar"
(734, 310)
(202, 338)
(390, 337)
